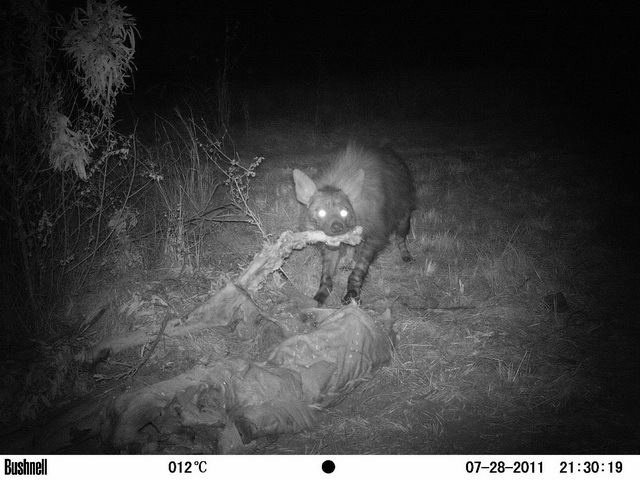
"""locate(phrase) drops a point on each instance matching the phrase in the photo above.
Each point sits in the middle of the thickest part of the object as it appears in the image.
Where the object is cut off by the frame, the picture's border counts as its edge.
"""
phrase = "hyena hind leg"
(401, 238)
(330, 259)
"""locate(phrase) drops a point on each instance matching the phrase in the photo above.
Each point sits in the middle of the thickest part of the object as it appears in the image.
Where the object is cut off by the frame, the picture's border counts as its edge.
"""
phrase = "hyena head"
(328, 208)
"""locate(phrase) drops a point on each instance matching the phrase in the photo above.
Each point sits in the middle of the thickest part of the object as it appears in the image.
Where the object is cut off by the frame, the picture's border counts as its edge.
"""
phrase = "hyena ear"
(305, 187)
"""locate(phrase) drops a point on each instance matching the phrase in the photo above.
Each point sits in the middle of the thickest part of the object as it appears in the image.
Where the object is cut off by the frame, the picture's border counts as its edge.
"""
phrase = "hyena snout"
(337, 228)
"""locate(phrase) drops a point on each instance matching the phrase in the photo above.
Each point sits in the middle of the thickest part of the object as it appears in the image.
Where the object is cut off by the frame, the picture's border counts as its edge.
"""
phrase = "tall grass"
(203, 186)
(80, 201)
(68, 178)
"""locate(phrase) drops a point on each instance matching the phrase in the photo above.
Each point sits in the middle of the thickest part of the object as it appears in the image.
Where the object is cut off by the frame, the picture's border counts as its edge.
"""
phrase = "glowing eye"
(322, 213)
(344, 213)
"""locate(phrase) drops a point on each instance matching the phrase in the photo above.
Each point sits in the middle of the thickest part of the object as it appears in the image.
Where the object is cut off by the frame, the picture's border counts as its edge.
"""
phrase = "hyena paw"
(351, 297)
(321, 296)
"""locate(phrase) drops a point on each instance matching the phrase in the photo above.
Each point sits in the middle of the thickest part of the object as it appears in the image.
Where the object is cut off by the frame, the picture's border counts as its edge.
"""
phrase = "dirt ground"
(516, 320)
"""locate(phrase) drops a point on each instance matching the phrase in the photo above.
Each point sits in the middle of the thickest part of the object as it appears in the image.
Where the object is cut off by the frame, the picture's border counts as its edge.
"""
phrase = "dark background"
(300, 39)
(574, 62)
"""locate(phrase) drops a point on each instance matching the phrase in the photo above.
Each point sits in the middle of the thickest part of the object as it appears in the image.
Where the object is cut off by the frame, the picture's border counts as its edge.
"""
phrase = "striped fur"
(367, 187)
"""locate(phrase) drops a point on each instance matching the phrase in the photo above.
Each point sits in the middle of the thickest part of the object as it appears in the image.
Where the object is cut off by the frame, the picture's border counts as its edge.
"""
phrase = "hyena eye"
(322, 213)
(344, 213)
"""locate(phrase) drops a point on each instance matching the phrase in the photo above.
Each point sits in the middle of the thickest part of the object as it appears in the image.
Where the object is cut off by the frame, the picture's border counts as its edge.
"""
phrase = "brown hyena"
(368, 187)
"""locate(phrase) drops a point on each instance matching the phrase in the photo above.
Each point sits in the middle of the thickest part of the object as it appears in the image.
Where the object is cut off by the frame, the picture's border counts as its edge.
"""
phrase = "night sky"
(300, 38)
(584, 50)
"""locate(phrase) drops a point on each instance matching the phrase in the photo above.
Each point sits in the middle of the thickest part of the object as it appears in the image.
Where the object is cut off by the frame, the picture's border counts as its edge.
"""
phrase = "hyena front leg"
(401, 237)
(365, 253)
(330, 258)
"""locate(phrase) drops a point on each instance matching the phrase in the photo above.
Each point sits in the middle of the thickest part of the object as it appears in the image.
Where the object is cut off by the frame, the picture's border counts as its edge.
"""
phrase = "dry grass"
(481, 365)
